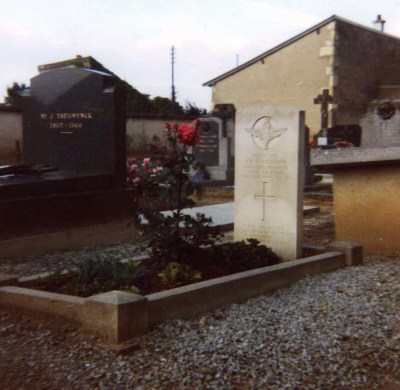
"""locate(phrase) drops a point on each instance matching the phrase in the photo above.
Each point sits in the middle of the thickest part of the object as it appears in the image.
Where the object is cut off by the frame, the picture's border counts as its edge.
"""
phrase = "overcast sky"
(133, 38)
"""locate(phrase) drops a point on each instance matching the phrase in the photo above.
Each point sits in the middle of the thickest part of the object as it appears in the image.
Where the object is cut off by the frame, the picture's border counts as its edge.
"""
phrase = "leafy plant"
(14, 95)
(243, 255)
(173, 237)
(94, 276)
(177, 274)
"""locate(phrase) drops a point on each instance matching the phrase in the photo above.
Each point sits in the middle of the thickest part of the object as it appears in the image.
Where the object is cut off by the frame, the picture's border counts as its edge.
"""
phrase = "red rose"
(188, 135)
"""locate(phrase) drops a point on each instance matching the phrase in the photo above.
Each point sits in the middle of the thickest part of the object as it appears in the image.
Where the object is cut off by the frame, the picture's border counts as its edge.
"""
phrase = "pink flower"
(188, 135)
(157, 169)
(131, 160)
(133, 168)
(146, 161)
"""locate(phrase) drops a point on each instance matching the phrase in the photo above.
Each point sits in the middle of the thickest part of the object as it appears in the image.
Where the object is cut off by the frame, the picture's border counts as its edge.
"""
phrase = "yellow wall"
(292, 76)
(367, 209)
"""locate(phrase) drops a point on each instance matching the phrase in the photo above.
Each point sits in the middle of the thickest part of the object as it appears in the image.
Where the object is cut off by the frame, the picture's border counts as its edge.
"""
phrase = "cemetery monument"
(213, 148)
(74, 156)
(269, 178)
(367, 180)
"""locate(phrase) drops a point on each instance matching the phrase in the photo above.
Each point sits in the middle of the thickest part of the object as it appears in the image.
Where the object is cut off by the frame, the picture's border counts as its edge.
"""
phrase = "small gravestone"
(74, 120)
(212, 149)
(269, 178)
(207, 150)
(381, 124)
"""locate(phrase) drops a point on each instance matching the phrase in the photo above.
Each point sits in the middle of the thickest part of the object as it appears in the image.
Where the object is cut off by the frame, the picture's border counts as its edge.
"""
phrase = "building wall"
(10, 135)
(292, 76)
(365, 59)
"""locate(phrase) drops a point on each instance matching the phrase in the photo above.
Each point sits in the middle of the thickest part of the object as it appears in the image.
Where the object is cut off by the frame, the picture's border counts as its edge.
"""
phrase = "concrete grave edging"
(118, 316)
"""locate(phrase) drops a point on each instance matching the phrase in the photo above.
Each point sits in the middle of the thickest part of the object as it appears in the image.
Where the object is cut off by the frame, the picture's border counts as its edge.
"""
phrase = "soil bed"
(146, 275)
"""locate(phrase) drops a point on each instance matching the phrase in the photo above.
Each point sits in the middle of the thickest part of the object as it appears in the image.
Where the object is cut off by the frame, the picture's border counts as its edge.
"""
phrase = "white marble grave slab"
(269, 178)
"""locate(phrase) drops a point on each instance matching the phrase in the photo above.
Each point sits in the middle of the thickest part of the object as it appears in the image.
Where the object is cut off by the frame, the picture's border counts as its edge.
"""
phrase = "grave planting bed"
(119, 316)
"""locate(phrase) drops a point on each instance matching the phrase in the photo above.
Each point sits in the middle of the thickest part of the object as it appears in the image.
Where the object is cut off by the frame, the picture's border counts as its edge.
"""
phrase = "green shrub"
(95, 276)
(177, 274)
(241, 255)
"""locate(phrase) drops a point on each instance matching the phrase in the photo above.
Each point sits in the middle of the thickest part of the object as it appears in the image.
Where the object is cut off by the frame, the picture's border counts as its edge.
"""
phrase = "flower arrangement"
(144, 174)
(343, 144)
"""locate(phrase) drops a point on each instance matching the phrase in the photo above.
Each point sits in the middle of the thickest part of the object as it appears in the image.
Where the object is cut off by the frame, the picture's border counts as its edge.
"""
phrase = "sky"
(133, 38)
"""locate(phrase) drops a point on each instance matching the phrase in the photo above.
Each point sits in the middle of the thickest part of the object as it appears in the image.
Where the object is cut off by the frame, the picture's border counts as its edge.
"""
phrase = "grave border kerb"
(118, 317)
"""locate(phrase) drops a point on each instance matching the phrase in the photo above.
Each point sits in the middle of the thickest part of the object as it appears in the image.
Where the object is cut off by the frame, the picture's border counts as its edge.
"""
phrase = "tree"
(193, 110)
(14, 95)
(164, 105)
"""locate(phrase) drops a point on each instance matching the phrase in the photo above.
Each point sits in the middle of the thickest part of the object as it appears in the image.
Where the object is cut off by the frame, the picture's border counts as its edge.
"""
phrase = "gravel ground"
(334, 331)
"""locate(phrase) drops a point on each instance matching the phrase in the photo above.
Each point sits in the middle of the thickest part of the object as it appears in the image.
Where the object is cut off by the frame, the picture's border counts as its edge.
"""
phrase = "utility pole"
(173, 95)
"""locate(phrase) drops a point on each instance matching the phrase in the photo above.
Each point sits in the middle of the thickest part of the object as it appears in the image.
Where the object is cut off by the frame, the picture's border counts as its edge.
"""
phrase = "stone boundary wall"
(10, 135)
(140, 128)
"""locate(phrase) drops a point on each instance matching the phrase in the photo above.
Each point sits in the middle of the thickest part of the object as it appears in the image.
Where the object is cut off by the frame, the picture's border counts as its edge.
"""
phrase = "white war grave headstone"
(269, 178)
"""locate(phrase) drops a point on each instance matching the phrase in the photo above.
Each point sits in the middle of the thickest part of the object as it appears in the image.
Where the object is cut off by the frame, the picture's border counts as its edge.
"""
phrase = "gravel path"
(34, 265)
(334, 331)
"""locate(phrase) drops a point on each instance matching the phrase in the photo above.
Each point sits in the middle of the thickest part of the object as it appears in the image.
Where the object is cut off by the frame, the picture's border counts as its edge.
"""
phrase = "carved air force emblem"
(264, 130)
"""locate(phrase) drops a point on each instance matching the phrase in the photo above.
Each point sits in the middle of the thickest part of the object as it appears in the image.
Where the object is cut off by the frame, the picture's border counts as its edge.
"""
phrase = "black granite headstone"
(207, 150)
(74, 120)
(339, 133)
(74, 156)
(347, 133)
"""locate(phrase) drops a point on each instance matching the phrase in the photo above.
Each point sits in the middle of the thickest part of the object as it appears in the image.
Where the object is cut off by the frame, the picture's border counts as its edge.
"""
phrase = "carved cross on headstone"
(264, 197)
(324, 100)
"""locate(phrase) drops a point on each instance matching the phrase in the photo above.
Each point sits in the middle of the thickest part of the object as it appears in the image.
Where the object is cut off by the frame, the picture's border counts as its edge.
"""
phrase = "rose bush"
(175, 236)
(164, 182)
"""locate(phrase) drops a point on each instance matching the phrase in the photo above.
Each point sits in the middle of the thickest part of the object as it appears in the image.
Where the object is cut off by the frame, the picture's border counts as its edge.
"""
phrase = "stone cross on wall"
(324, 100)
